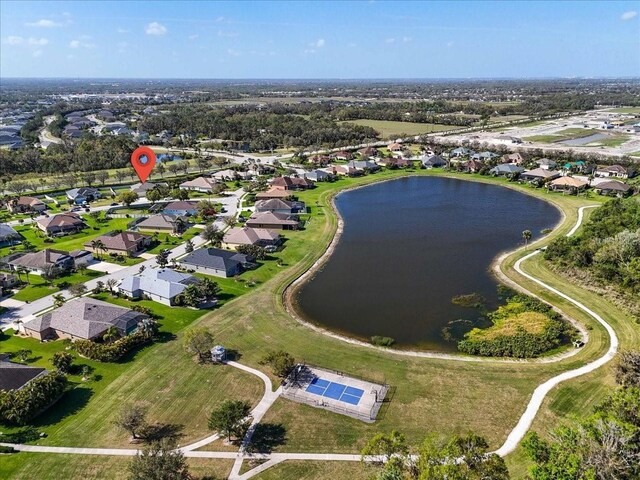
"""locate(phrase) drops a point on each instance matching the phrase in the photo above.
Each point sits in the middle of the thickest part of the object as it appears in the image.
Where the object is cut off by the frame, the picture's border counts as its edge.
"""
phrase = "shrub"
(382, 341)
(19, 406)
(4, 449)
(111, 352)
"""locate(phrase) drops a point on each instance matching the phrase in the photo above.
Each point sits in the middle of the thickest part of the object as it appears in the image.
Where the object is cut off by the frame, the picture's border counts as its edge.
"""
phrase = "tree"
(98, 246)
(154, 195)
(386, 446)
(162, 258)
(526, 234)
(280, 361)
(231, 418)
(254, 251)
(206, 209)
(23, 354)
(199, 341)
(102, 176)
(159, 461)
(111, 284)
(78, 289)
(132, 418)
(111, 335)
(128, 197)
(58, 300)
(627, 369)
(62, 361)
(89, 178)
(188, 246)
(180, 194)
(173, 169)
(203, 163)
(160, 168)
(120, 175)
(211, 233)
(229, 220)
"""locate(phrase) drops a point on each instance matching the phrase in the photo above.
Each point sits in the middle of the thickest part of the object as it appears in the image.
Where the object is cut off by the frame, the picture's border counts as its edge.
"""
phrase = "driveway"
(106, 267)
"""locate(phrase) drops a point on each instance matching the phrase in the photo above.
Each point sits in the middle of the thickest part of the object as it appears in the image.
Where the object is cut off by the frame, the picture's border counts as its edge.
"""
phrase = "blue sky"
(367, 39)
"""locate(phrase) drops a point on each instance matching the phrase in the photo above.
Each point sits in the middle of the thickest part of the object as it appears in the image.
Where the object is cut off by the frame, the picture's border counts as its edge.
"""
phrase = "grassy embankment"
(489, 396)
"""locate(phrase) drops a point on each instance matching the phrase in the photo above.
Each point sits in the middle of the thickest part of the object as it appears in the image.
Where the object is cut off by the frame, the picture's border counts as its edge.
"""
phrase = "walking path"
(269, 397)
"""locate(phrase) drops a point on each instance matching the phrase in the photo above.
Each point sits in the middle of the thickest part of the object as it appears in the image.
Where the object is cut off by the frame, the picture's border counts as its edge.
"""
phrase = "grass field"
(430, 395)
(395, 129)
(625, 110)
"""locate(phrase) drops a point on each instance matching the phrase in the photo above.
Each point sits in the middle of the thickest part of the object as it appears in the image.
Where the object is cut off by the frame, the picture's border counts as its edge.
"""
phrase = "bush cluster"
(19, 406)
(111, 352)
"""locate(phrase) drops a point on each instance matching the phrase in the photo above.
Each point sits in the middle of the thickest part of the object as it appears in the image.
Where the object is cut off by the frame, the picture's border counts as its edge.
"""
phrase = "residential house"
(280, 206)
(230, 175)
(368, 152)
(274, 192)
(317, 176)
(506, 170)
(277, 221)
(433, 161)
(122, 243)
(613, 188)
(343, 155)
(291, 183)
(41, 261)
(7, 282)
(163, 223)
(578, 166)
(14, 376)
(393, 162)
(200, 184)
(472, 166)
(8, 236)
(83, 194)
(344, 170)
(539, 174)
(514, 158)
(84, 318)
(261, 237)
(61, 224)
(394, 147)
(568, 184)
(546, 164)
(161, 285)
(613, 171)
(320, 160)
(461, 152)
(26, 205)
(364, 165)
(484, 156)
(217, 262)
(142, 188)
(181, 208)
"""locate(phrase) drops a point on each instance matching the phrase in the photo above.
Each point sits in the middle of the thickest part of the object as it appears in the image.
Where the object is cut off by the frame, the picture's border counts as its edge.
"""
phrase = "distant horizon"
(330, 40)
(326, 79)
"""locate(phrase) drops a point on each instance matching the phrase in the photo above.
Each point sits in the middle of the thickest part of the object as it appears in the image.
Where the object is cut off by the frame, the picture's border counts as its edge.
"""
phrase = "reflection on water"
(408, 247)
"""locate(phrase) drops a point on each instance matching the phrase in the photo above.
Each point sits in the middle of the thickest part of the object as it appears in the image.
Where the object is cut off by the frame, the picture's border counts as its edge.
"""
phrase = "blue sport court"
(336, 391)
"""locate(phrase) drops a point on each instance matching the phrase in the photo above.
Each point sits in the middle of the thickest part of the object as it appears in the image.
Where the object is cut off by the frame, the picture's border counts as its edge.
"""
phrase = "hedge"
(19, 406)
(111, 352)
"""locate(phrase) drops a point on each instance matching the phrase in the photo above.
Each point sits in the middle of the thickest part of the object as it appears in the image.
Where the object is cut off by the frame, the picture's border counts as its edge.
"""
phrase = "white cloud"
(233, 53)
(390, 40)
(14, 40)
(80, 44)
(193, 37)
(318, 43)
(227, 34)
(37, 53)
(37, 41)
(629, 15)
(43, 24)
(155, 28)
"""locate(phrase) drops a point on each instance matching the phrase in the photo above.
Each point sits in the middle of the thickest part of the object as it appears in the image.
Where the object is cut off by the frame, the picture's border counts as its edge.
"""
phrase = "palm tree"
(111, 283)
(58, 300)
(527, 236)
(111, 335)
(98, 246)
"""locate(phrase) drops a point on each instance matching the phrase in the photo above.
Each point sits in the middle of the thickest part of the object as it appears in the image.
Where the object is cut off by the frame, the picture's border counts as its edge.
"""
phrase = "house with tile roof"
(161, 285)
(217, 262)
(261, 237)
(123, 243)
(61, 224)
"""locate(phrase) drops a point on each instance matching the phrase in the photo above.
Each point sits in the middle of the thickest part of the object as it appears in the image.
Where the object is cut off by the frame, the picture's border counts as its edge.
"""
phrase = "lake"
(584, 140)
(408, 247)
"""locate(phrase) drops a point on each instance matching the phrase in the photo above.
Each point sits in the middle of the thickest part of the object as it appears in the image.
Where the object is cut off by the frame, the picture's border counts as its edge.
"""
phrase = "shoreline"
(292, 287)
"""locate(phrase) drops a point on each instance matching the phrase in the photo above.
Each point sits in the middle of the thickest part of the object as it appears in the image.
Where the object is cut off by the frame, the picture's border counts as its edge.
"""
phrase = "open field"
(625, 110)
(489, 396)
(391, 129)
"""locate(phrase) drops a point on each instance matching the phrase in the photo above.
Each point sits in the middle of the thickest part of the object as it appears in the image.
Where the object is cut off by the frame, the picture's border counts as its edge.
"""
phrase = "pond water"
(584, 140)
(408, 247)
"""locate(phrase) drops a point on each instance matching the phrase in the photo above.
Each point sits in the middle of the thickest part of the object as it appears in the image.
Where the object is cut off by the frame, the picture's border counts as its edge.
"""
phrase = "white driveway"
(106, 267)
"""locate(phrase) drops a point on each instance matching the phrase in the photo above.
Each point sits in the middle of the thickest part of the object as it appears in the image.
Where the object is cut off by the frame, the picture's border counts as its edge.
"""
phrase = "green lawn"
(625, 110)
(430, 395)
(393, 129)
(38, 288)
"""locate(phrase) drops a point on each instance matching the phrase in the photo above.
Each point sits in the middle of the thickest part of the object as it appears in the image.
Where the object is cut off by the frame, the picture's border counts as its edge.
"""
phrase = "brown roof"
(200, 182)
(119, 241)
(29, 201)
(40, 259)
(541, 172)
(61, 220)
(272, 218)
(613, 169)
(249, 236)
(613, 185)
(569, 182)
(273, 193)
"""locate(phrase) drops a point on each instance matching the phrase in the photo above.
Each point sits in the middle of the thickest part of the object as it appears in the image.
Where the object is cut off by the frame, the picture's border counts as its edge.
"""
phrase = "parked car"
(114, 204)
(270, 249)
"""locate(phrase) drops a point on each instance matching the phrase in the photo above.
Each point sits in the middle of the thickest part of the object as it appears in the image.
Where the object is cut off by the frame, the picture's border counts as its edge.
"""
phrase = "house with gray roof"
(505, 170)
(217, 262)
(14, 376)
(41, 261)
(613, 187)
(61, 224)
(161, 285)
(364, 165)
(163, 223)
(317, 176)
(8, 236)
(541, 174)
(280, 206)
(433, 161)
(83, 194)
(261, 237)
(483, 156)
(461, 152)
(276, 221)
(83, 318)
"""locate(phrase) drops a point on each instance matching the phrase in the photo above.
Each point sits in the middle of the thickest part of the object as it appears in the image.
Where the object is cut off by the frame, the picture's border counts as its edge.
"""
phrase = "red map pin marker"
(143, 160)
